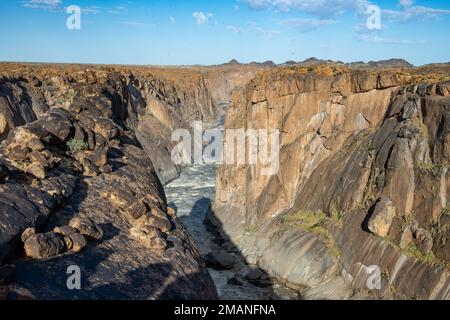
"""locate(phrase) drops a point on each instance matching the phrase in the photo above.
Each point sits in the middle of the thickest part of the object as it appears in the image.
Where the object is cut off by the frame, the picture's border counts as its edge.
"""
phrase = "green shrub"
(314, 222)
(76, 145)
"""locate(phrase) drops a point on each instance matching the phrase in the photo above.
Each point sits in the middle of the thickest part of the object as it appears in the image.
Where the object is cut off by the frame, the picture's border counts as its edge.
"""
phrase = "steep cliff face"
(362, 181)
(77, 189)
(222, 81)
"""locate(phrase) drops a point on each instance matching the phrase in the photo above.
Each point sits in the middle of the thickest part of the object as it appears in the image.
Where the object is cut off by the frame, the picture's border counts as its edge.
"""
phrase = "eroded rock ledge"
(363, 181)
(73, 171)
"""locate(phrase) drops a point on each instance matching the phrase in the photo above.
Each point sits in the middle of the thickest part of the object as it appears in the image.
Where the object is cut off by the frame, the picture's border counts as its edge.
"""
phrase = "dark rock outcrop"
(69, 179)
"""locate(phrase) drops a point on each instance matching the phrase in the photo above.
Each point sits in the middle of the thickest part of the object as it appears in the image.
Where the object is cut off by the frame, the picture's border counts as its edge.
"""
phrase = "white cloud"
(265, 34)
(322, 8)
(331, 8)
(201, 17)
(252, 27)
(406, 3)
(90, 10)
(56, 5)
(233, 29)
(305, 25)
(410, 12)
(378, 39)
(42, 4)
(236, 7)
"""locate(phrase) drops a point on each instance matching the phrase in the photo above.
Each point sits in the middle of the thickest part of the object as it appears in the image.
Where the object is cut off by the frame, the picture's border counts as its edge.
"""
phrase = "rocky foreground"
(82, 157)
(363, 181)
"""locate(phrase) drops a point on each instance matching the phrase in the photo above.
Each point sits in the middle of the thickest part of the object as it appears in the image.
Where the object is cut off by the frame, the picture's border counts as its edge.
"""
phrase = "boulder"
(99, 157)
(89, 169)
(171, 212)
(162, 224)
(149, 236)
(37, 170)
(18, 153)
(136, 210)
(220, 260)
(106, 128)
(255, 274)
(78, 241)
(382, 217)
(236, 281)
(36, 145)
(28, 233)
(79, 132)
(100, 141)
(61, 186)
(58, 124)
(406, 238)
(44, 245)
(38, 157)
(33, 131)
(86, 120)
(102, 126)
(90, 139)
(64, 230)
(68, 242)
(87, 227)
(258, 277)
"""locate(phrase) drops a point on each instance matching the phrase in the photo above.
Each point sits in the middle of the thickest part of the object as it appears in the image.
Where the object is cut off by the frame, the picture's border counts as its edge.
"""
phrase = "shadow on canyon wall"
(241, 276)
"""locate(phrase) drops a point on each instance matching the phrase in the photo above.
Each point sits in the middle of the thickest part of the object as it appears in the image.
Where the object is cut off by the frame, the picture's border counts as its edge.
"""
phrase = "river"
(191, 195)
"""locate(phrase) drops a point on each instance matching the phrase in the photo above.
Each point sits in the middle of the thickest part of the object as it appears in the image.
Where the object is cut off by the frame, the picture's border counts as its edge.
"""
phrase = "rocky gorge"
(87, 180)
(84, 156)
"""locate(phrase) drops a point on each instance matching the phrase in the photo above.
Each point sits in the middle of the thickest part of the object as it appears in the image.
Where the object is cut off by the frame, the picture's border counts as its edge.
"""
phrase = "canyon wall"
(362, 182)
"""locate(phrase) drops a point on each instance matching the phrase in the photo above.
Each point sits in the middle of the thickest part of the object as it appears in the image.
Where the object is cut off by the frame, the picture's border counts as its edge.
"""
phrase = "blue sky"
(174, 32)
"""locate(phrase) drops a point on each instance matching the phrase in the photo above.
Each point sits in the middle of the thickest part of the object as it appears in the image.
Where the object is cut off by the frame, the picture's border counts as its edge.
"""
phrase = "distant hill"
(390, 63)
(310, 62)
(268, 64)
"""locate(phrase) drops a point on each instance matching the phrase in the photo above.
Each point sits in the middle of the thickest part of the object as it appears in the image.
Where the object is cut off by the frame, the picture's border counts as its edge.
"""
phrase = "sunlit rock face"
(363, 180)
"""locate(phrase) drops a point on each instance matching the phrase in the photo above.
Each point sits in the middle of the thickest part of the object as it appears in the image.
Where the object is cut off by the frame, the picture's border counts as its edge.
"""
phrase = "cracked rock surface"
(77, 188)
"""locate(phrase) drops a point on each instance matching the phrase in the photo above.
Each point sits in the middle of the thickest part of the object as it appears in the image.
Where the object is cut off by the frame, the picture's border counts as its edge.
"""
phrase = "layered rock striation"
(362, 182)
